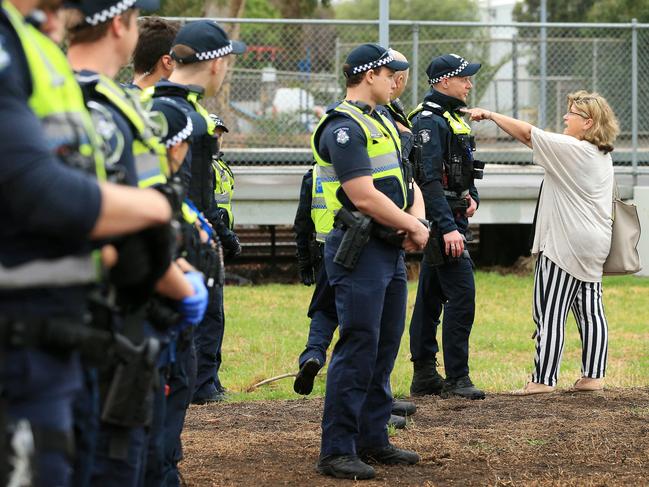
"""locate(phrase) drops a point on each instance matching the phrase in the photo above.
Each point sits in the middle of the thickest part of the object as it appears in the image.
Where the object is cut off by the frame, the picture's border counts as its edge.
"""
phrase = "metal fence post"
(384, 23)
(543, 103)
(414, 65)
(515, 76)
(337, 69)
(634, 99)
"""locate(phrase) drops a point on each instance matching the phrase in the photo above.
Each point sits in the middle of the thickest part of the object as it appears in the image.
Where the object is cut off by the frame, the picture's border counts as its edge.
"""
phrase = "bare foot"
(533, 388)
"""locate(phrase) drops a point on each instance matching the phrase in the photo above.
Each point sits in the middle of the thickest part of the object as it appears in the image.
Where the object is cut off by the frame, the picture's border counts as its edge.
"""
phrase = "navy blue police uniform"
(48, 209)
(445, 174)
(354, 140)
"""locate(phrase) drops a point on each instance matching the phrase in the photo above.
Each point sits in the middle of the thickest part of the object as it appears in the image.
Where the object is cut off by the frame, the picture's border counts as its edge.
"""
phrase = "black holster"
(357, 234)
(129, 399)
(434, 249)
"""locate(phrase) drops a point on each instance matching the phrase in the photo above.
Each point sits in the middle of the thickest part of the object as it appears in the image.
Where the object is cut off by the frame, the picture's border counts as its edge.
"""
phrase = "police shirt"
(47, 209)
(435, 144)
(197, 190)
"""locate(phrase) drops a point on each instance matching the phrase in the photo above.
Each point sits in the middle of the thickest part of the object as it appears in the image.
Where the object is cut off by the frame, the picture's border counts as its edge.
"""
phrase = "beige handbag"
(623, 258)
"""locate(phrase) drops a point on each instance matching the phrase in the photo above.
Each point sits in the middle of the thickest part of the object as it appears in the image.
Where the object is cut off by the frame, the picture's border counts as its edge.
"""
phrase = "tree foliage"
(409, 10)
(583, 10)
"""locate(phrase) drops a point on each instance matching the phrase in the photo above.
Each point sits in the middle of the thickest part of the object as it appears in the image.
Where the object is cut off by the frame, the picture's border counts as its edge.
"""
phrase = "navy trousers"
(324, 320)
(371, 305)
(449, 287)
(40, 387)
(208, 339)
(86, 427)
(181, 382)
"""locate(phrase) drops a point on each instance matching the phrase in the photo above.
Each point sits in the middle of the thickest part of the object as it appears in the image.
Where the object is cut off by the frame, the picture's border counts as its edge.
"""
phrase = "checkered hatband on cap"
(374, 64)
(455, 72)
(109, 13)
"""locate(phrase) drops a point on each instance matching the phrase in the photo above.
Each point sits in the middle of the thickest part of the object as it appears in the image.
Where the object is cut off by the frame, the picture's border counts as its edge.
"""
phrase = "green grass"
(266, 329)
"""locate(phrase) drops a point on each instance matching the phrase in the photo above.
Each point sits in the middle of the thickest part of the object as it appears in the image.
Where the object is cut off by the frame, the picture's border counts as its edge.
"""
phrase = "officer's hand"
(306, 269)
(193, 307)
(418, 236)
(473, 206)
(477, 114)
(453, 243)
(231, 244)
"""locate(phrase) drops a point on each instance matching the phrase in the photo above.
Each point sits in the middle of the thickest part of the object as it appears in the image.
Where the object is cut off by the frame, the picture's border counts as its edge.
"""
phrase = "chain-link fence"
(276, 92)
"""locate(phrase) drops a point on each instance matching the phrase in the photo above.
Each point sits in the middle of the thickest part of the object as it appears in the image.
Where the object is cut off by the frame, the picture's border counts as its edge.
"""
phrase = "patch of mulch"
(561, 439)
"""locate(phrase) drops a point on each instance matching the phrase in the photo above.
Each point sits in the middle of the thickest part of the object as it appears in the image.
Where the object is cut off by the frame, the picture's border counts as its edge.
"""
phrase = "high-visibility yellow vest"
(383, 149)
(149, 152)
(223, 187)
(323, 220)
(57, 101)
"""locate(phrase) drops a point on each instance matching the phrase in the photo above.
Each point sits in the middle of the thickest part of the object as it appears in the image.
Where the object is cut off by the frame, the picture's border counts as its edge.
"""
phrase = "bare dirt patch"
(567, 439)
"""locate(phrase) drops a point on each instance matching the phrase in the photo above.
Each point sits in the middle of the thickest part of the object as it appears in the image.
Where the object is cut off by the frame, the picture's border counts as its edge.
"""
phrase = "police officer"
(312, 225)
(200, 51)
(445, 172)
(52, 201)
(358, 151)
(103, 34)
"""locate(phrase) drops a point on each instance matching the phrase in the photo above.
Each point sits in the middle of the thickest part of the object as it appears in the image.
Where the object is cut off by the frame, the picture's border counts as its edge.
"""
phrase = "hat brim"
(397, 65)
(238, 47)
(147, 5)
(470, 70)
(199, 125)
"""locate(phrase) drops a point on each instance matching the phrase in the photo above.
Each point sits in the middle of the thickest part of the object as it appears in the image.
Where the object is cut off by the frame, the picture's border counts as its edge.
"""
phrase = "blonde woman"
(572, 234)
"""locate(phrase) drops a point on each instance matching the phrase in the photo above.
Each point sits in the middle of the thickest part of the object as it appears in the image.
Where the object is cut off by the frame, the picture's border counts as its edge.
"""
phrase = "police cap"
(208, 39)
(218, 123)
(181, 125)
(448, 66)
(99, 11)
(371, 56)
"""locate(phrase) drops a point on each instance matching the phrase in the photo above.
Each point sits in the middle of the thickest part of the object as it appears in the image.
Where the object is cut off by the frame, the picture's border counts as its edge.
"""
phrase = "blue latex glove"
(193, 307)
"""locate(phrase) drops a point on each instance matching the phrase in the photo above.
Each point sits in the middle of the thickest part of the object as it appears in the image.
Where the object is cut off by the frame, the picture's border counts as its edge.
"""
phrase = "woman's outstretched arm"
(521, 131)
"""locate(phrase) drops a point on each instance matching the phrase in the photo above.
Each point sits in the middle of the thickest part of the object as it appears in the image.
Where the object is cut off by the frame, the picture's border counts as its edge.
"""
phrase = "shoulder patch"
(342, 136)
(5, 58)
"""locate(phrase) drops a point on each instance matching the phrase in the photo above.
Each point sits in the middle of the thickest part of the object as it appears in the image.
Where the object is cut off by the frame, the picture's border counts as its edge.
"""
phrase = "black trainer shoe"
(426, 380)
(399, 422)
(461, 387)
(304, 379)
(344, 467)
(218, 396)
(403, 408)
(389, 455)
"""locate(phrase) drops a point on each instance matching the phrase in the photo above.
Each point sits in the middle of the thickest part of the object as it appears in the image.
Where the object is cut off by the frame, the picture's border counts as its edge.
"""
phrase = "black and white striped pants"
(555, 292)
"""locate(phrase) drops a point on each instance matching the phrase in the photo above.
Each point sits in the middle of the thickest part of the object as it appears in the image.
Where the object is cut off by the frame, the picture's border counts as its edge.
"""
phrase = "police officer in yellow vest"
(445, 170)
(358, 151)
(52, 201)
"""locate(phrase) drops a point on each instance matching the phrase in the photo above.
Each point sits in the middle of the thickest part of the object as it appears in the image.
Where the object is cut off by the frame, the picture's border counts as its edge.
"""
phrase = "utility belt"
(457, 202)
(358, 229)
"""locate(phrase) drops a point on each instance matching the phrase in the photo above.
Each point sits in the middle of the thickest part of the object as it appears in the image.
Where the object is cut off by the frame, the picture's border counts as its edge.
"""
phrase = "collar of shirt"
(166, 86)
(448, 103)
(365, 108)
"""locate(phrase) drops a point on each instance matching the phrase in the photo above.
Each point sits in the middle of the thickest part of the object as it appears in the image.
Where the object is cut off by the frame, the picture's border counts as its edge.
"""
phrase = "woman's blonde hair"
(605, 126)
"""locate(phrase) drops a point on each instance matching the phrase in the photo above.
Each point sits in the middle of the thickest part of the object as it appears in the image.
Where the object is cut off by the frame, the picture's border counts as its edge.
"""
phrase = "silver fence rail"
(276, 92)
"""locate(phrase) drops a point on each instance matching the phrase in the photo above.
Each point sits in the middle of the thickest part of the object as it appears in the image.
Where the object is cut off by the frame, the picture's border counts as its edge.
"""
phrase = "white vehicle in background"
(299, 102)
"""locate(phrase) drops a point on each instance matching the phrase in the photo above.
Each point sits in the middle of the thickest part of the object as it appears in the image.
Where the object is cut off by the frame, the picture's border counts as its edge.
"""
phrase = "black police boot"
(461, 387)
(344, 467)
(398, 422)
(304, 379)
(389, 455)
(403, 408)
(218, 396)
(426, 380)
